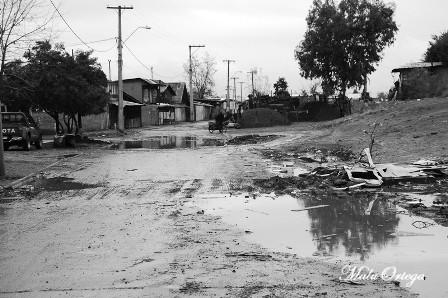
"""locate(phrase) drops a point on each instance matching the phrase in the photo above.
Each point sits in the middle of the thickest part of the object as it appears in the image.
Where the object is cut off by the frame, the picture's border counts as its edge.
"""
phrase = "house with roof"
(422, 79)
(181, 101)
(146, 102)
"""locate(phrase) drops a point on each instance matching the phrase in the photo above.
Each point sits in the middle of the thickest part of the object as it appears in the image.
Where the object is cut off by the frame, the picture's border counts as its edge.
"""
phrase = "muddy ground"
(123, 222)
(402, 132)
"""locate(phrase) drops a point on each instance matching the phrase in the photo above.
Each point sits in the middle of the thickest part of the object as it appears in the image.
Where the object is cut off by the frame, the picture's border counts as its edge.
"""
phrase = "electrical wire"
(136, 58)
(95, 41)
(159, 32)
(149, 69)
(169, 77)
(73, 31)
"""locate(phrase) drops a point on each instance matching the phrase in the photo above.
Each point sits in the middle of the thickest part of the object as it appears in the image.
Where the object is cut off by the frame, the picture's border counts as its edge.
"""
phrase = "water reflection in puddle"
(380, 238)
(169, 142)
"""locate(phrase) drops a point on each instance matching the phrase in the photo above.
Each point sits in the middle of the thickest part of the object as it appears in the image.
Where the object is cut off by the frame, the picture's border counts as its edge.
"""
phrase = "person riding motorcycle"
(220, 120)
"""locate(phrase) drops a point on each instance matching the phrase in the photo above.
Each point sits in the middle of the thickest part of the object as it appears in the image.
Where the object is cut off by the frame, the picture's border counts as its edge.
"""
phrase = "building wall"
(166, 117)
(181, 114)
(149, 115)
(423, 82)
(202, 112)
(134, 88)
(91, 122)
(132, 116)
(95, 122)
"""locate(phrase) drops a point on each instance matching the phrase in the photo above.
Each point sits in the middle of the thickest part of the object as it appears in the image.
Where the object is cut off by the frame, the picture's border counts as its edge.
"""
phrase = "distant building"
(422, 79)
(149, 102)
(181, 101)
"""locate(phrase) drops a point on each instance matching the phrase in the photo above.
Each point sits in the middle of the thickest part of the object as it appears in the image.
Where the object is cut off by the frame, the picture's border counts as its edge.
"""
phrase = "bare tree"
(262, 85)
(19, 21)
(204, 69)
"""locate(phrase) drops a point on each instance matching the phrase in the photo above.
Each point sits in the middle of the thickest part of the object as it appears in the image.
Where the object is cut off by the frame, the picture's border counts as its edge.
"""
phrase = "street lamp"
(135, 30)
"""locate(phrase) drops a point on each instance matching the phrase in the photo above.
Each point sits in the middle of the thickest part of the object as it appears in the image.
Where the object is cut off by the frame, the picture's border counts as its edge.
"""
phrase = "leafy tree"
(281, 88)
(204, 69)
(19, 22)
(438, 49)
(344, 42)
(62, 84)
(17, 90)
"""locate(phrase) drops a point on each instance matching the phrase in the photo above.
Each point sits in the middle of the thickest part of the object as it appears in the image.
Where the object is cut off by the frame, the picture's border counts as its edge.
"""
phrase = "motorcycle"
(212, 126)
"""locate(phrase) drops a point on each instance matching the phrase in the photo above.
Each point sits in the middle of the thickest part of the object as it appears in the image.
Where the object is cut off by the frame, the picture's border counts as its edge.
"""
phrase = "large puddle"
(169, 142)
(371, 231)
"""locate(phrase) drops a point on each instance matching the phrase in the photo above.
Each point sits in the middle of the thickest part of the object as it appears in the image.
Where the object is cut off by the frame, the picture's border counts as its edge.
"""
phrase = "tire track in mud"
(190, 252)
(191, 187)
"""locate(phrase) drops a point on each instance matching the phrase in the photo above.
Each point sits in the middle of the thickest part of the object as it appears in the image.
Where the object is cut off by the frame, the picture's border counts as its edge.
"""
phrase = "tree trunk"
(341, 100)
(59, 127)
(2, 164)
(79, 123)
(75, 121)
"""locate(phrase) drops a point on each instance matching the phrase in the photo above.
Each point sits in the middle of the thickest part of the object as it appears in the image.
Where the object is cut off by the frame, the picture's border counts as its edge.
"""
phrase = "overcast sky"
(256, 33)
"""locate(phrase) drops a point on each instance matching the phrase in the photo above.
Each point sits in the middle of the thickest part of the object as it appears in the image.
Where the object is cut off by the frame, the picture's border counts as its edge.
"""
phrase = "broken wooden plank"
(309, 208)
(350, 187)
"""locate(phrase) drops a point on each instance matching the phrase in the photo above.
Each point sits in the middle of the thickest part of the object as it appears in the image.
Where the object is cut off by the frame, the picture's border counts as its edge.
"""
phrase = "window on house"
(146, 95)
(153, 96)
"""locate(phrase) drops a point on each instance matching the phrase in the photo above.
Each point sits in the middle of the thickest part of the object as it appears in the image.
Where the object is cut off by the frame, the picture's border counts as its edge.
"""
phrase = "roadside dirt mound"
(407, 131)
(262, 118)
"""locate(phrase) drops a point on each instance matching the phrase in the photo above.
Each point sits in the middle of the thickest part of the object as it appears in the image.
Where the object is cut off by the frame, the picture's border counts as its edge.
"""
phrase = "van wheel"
(27, 144)
(39, 143)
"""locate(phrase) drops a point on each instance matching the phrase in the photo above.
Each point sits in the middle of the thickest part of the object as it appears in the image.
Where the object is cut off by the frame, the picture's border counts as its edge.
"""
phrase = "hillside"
(407, 130)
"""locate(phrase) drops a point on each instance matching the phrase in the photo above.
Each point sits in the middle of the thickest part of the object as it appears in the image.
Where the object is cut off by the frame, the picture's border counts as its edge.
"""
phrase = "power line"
(159, 31)
(73, 31)
(169, 77)
(94, 41)
(66, 23)
(136, 58)
(148, 68)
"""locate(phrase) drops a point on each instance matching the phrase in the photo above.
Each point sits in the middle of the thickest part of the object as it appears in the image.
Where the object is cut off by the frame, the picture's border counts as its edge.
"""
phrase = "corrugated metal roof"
(148, 81)
(202, 104)
(417, 65)
(125, 103)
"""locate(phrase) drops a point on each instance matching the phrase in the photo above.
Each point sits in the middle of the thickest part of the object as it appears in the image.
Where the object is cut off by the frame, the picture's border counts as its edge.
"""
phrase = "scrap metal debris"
(420, 224)
(376, 175)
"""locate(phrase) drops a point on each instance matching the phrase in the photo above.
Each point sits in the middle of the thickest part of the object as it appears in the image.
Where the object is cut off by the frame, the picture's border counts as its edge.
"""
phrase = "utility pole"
(253, 90)
(110, 73)
(228, 82)
(190, 70)
(2, 161)
(110, 94)
(152, 73)
(234, 87)
(120, 68)
(241, 89)
(110, 78)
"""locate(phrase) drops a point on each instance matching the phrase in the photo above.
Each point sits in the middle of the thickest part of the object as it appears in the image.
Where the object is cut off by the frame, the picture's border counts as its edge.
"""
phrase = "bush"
(262, 117)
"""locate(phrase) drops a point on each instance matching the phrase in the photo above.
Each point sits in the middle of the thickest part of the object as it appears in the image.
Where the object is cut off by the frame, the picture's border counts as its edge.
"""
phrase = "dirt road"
(123, 223)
